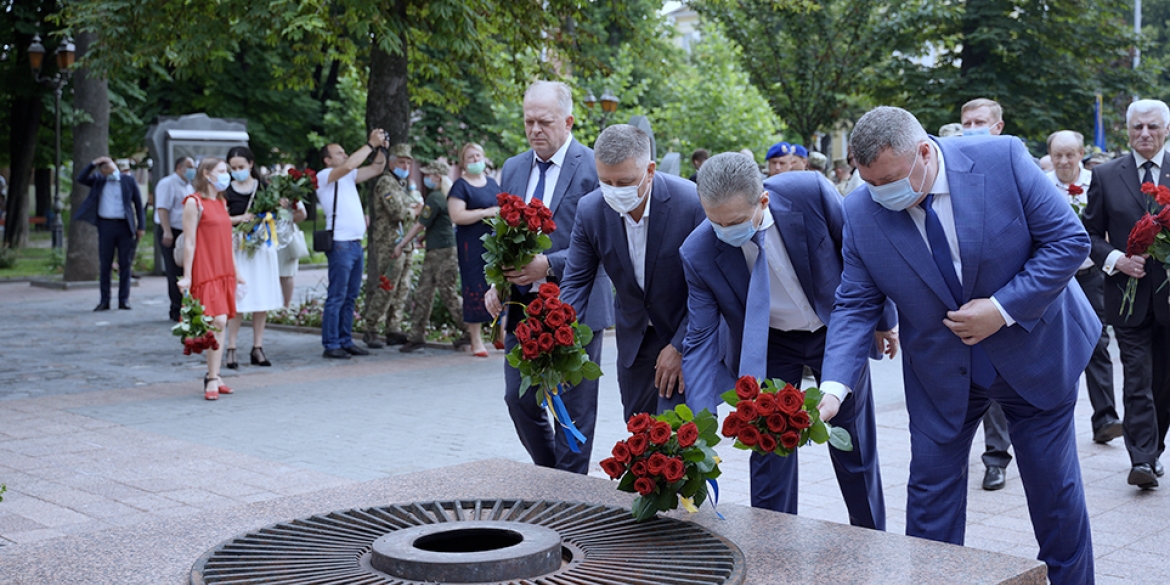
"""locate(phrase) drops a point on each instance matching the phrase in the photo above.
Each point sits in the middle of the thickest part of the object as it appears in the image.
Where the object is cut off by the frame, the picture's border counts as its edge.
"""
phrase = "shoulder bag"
(323, 239)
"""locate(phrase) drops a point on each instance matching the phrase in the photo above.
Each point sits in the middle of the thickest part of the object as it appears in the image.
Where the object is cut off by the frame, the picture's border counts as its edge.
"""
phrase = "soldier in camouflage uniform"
(393, 217)
(440, 268)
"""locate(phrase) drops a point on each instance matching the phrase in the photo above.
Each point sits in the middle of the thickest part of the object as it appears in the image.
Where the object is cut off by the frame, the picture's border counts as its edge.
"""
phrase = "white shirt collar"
(558, 157)
(940, 182)
(645, 212)
(1141, 160)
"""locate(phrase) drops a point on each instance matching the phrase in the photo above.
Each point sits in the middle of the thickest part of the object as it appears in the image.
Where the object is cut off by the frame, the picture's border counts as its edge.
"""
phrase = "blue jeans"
(345, 282)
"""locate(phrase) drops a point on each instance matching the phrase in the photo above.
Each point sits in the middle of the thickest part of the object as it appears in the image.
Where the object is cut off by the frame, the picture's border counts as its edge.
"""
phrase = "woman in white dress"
(259, 268)
(289, 263)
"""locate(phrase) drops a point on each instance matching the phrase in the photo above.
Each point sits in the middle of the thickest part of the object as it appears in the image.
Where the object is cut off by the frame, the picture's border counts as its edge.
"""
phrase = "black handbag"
(323, 239)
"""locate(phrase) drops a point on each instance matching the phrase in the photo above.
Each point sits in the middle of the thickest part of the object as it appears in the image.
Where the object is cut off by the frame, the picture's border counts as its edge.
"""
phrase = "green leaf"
(544, 242)
(644, 508)
(671, 417)
(627, 482)
(818, 433)
(584, 334)
(684, 412)
(591, 370)
(730, 397)
(813, 394)
(839, 438)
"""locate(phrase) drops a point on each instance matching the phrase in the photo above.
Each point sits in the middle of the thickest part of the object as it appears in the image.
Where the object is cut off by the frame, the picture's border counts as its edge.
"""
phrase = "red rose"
(570, 313)
(1075, 190)
(502, 199)
(523, 334)
(513, 218)
(639, 468)
(777, 423)
(553, 303)
(621, 452)
(768, 442)
(548, 226)
(790, 439)
(530, 350)
(639, 423)
(1141, 237)
(534, 327)
(656, 463)
(1149, 189)
(645, 486)
(638, 444)
(549, 290)
(533, 224)
(790, 400)
(612, 467)
(749, 435)
(564, 336)
(555, 317)
(660, 433)
(294, 173)
(1163, 196)
(747, 410)
(536, 204)
(1164, 217)
(766, 404)
(746, 388)
(731, 425)
(800, 420)
(546, 342)
(186, 351)
(675, 469)
(536, 307)
(688, 434)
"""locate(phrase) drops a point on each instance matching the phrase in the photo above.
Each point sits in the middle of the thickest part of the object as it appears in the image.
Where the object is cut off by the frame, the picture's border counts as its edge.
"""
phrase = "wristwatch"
(549, 273)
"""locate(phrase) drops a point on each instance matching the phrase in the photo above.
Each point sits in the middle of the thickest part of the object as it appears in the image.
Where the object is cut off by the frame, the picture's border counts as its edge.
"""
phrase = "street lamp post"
(65, 56)
(609, 104)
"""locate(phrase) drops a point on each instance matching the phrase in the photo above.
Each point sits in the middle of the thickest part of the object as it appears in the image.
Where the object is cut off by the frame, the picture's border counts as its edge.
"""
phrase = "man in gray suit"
(559, 171)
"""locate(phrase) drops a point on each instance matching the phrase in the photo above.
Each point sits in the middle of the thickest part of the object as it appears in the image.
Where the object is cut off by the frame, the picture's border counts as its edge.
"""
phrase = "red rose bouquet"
(1150, 235)
(778, 418)
(519, 233)
(551, 355)
(194, 327)
(667, 460)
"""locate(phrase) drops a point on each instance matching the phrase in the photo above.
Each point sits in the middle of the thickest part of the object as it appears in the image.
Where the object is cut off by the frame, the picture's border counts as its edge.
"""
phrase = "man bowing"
(977, 248)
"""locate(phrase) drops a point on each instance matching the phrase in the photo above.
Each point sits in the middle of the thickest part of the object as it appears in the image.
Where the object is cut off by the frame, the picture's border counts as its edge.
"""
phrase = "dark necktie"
(753, 354)
(1148, 177)
(982, 372)
(537, 194)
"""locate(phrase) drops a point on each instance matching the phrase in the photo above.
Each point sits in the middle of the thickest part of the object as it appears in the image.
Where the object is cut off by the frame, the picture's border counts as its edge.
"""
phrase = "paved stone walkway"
(102, 424)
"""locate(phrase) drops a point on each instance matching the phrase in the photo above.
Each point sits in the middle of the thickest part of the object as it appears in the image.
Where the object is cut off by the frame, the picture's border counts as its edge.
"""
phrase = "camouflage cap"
(436, 168)
(401, 151)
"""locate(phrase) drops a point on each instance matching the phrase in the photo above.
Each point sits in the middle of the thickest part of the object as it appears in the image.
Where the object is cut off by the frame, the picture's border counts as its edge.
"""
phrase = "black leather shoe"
(371, 340)
(336, 354)
(993, 479)
(124, 306)
(1107, 433)
(1143, 476)
(410, 346)
(355, 350)
(229, 359)
(102, 307)
(396, 338)
(1158, 469)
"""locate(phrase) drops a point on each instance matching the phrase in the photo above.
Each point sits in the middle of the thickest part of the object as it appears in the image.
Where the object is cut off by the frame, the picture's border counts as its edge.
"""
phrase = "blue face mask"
(738, 234)
(898, 195)
(116, 175)
(428, 182)
(189, 174)
(979, 131)
(241, 176)
(401, 173)
(222, 181)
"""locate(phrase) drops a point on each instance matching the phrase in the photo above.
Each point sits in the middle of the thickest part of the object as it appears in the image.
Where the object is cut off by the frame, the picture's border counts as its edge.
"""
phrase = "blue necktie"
(753, 354)
(982, 372)
(537, 194)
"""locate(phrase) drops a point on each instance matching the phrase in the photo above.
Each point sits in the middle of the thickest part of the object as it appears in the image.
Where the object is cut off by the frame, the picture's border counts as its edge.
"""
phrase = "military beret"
(436, 168)
(779, 149)
(800, 151)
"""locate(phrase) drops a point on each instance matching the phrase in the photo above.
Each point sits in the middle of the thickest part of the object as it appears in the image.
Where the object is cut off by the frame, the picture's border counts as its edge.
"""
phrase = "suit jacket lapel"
(734, 266)
(616, 225)
(572, 159)
(906, 238)
(968, 202)
(519, 185)
(1128, 170)
(659, 218)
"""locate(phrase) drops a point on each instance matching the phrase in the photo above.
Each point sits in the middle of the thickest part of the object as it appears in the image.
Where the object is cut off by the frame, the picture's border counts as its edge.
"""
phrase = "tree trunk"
(388, 108)
(43, 181)
(24, 120)
(90, 140)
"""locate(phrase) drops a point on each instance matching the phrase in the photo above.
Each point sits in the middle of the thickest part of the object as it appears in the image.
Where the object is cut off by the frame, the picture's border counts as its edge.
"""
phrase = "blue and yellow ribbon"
(561, 415)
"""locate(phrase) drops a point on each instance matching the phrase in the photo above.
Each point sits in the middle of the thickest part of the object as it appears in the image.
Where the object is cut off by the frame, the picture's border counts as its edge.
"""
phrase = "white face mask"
(623, 199)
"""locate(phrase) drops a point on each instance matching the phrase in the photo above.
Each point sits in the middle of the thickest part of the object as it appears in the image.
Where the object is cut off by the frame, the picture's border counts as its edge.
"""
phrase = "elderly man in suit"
(632, 228)
(977, 248)
(766, 262)
(1115, 204)
(114, 205)
(559, 171)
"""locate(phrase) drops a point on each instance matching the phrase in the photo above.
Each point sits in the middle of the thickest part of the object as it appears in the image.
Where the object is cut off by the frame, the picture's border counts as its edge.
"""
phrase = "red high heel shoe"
(209, 394)
(223, 388)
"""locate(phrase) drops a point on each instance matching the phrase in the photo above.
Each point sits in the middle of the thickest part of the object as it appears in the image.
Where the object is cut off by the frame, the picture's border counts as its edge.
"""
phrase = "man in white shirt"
(1067, 149)
(338, 195)
(168, 224)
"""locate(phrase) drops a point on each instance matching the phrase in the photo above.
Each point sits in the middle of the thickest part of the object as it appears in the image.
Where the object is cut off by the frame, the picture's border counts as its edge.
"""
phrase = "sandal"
(212, 394)
(223, 388)
(262, 360)
(229, 359)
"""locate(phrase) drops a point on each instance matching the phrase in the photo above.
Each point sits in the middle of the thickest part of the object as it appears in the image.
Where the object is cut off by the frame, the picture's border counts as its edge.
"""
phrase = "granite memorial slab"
(776, 548)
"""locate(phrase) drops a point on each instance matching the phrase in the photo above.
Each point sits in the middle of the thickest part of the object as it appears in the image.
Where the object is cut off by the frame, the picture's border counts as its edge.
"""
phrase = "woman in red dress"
(210, 275)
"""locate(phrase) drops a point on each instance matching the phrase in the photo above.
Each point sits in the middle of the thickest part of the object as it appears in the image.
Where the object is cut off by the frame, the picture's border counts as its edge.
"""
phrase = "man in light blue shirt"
(114, 205)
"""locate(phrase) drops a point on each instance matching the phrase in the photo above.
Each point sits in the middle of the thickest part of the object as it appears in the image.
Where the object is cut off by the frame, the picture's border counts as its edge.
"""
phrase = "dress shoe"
(1143, 476)
(993, 478)
(410, 346)
(396, 338)
(355, 350)
(229, 359)
(1107, 433)
(337, 354)
(102, 307)
(124, 306)
(371, 340)
(1158, 469)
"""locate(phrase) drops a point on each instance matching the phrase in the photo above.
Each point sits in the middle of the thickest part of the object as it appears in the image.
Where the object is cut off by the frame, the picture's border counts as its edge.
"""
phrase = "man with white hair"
(1115, 204)
(559, 171)
(1067, 148)
(976, 248)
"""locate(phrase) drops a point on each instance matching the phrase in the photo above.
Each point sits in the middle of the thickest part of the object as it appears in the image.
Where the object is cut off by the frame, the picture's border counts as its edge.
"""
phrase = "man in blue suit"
(632, 228)
(977, 249)
(776, 306)
(114, 205)
(559, 171)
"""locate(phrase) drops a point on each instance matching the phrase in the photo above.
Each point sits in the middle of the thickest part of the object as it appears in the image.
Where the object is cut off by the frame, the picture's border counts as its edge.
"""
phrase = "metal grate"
(602, 545)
